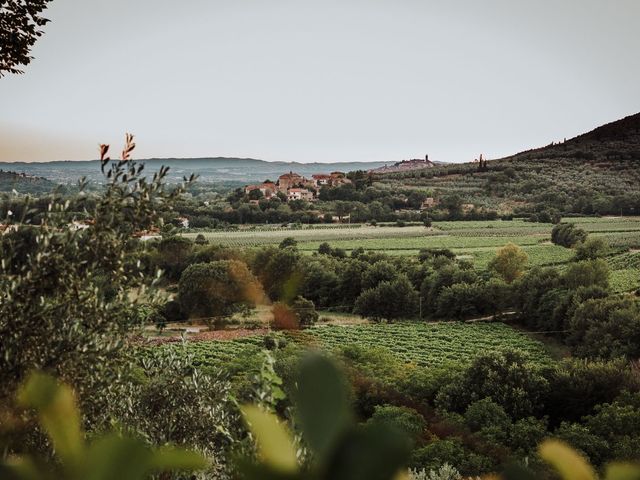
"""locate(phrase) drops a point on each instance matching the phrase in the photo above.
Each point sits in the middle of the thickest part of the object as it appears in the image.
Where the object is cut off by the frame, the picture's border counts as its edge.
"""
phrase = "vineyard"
(430, 344)
(476, 241)
(425, 344)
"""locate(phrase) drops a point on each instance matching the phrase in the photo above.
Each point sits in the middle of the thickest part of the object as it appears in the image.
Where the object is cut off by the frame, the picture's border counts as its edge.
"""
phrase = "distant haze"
(321, 81)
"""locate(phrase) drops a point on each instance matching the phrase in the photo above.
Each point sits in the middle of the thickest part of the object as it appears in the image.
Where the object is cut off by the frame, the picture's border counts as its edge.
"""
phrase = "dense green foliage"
(21, 25)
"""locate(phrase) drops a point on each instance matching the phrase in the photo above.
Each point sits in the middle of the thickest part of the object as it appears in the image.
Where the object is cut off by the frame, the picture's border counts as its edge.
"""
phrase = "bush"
(505, 377)
(288, 242)
(405, 420)
(592, 248)
(172, 255)
(486, 413)
(567, 235)
(325, 249)
(587, 273)
(577, 386)
(606, 328)
(201, 240)
(305, 312)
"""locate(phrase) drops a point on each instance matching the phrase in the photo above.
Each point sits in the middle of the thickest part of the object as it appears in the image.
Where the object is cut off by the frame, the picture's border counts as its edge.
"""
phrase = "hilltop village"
(292, 186)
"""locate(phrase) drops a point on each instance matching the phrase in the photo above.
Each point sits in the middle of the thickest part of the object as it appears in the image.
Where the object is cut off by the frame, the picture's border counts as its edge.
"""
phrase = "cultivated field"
(476, 241)
(425, 344)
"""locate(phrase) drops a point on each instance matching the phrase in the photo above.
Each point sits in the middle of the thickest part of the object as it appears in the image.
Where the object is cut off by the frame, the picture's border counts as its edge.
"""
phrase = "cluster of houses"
(297, 187)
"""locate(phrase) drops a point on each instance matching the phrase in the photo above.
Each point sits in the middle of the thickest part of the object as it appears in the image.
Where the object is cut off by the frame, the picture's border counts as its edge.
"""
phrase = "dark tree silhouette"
(20, 27)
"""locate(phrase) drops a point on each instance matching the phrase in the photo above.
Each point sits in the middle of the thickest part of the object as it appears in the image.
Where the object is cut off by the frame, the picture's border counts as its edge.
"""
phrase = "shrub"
(587, 273)
(405, 420)
(486, 413)
(325, 249)
(305, 312)
(606, 328)
(592, 248)
(505, 377)
(567, 235)
(288, 242)
(201, 240)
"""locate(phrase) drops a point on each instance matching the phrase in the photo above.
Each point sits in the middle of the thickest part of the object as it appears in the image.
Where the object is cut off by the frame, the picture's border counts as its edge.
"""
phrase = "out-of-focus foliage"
(340, 449)
(106, 457)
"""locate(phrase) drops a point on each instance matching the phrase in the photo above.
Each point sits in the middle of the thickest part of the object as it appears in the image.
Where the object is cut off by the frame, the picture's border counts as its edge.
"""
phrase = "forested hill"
(615, 140)
(22, 183)
(594, 173)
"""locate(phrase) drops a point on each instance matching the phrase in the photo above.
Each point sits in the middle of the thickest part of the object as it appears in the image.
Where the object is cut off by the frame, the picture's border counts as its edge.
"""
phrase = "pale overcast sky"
(321, 80)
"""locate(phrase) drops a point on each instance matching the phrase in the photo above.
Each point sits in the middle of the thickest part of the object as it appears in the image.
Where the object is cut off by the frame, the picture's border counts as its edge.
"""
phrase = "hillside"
(218, 170)
(596, 172)
(23, 183)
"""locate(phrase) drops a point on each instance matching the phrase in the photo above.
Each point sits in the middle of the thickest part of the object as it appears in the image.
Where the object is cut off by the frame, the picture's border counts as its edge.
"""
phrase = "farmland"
(424, 344)
(476, 241)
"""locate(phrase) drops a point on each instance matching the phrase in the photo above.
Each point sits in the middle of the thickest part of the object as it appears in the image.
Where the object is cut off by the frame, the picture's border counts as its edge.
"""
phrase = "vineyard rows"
(433, 344)
(425, 344)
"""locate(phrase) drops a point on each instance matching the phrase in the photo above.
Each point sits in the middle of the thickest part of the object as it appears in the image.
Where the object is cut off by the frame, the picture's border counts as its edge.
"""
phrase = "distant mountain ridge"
(215, 169)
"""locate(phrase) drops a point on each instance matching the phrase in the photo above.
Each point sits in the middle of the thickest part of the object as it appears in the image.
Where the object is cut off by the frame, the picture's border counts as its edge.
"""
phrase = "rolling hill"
(24, 183)
(596, 172)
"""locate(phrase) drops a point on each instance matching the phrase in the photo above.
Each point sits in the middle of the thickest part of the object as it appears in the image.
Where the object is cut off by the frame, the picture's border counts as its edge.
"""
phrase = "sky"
(321, 80)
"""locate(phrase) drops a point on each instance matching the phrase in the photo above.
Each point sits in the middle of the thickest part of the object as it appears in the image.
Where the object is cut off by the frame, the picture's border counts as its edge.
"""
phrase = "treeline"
(436, 285)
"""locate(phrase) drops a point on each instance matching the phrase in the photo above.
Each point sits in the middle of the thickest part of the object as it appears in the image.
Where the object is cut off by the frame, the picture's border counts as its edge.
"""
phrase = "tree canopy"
(21, 23)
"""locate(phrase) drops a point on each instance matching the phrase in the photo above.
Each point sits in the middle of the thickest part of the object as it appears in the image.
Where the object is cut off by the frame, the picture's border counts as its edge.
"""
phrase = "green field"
(431, 344)
(425, 344)
(476, 241)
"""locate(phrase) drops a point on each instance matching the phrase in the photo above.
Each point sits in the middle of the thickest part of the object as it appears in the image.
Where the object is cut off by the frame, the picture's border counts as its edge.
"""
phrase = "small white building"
(299, 194)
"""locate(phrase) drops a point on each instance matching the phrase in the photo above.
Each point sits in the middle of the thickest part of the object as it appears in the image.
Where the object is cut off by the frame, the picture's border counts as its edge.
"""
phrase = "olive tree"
(55, 314)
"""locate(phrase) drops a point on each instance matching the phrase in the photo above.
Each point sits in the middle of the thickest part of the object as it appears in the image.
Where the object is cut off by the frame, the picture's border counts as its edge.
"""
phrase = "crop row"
(602, 220)
(420, 343)
(623, 239)
(624, 280)
(441, 241)
(432, 344)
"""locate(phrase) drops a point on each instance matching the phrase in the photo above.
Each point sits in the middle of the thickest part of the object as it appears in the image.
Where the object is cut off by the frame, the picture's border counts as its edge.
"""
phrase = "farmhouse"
(299, 194)
(321, 179)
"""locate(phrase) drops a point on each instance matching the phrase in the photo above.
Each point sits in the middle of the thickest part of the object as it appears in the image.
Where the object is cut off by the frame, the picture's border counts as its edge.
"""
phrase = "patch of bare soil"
(203, 336)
